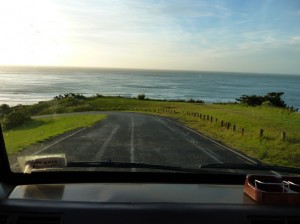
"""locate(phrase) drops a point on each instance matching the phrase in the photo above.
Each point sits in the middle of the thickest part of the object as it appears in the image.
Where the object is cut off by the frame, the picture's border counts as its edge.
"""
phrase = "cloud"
(295, 40)
(139, 16)
(136, 24)
(155, 32)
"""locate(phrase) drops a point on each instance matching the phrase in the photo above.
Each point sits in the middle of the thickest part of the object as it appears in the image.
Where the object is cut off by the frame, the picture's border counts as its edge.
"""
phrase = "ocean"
(28, 85)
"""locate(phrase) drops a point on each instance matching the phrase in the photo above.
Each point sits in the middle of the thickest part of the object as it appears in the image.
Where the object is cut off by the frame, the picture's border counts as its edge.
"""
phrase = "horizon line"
(145, 69)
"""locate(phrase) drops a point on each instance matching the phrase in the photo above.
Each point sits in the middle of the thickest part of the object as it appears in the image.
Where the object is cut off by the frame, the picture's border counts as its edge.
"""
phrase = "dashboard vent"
(275, 220)
(39, 220)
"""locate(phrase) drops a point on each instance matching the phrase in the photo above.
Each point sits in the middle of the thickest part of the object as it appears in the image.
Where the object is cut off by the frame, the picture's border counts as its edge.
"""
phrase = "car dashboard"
(137, 203)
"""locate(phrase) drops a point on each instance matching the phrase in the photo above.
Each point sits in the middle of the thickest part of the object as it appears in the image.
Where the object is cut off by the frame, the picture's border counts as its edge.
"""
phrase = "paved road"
(134, 137)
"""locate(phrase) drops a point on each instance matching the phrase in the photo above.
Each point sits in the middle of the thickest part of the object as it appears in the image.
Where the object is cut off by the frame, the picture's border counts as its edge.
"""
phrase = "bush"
(191, 101)
(195, 101)
(141, 96)
(14, 119)
(69, 95)
(271, 99)
(275, 99)
(4, 109)
(199, 101)
(267, 104)
(39, 108)
(252, 100)
(71, 102)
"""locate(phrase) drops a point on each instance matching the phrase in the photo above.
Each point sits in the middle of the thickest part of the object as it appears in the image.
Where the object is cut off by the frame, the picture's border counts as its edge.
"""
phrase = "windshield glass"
(150, 85)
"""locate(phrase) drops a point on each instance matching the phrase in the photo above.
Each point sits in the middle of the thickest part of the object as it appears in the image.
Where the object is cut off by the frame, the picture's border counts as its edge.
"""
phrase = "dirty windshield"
(154, 85)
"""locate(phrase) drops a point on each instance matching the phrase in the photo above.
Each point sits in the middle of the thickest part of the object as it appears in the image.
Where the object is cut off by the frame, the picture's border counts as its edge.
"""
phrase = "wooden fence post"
(222, 123)
(242, 131)
(228, 125)
(234, 126)
(261, 133)
(283, 136)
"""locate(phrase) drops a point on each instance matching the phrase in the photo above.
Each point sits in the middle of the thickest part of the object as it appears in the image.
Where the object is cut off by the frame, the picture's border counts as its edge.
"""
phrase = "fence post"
(242, 132)
(234, 126)
(283, 136)
(228, 125)
(261, 133)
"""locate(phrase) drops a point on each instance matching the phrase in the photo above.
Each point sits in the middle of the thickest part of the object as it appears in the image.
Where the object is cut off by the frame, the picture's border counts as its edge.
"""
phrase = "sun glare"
(31, 32)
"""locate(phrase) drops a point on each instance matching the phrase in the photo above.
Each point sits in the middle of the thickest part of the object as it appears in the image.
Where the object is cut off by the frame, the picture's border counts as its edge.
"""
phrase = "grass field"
(41, 129)
(269, 148)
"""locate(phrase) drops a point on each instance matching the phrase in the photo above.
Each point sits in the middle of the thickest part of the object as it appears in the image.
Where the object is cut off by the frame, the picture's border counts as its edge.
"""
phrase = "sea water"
(27, 85)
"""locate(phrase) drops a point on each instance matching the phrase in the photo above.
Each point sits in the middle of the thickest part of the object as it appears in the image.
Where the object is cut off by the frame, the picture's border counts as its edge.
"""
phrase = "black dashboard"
(137, 203)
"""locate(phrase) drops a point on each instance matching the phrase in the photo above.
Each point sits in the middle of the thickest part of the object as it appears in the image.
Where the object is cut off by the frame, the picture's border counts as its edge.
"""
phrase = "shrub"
(40, 108)
(275, 99)
(195, 101)
(69, 95)
(14, 119)
(199, 101)
(271, 99)
(267, 104)
(141, 96)
(252, 100)
(4, 109)
(191, 100)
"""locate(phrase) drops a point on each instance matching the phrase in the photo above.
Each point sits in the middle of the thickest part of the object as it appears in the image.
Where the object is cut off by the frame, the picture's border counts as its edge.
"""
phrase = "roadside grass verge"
(41, 129)
(268, 148)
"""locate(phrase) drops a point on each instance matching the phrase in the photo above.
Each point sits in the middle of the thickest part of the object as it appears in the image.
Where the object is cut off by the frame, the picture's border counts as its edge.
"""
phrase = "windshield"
(144, 86)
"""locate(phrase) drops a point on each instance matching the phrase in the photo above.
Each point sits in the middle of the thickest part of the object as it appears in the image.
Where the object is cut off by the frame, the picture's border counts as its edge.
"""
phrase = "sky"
(261, 36)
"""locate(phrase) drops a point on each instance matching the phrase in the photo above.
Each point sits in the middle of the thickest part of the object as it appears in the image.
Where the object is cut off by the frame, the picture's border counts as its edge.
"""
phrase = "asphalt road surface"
(134, 137)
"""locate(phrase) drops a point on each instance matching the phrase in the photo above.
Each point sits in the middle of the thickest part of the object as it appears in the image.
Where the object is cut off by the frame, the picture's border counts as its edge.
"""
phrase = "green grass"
(269, 148)
(41, 129)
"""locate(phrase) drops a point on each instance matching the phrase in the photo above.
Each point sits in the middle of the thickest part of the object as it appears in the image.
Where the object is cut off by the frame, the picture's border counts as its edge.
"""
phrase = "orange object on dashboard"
(268, 189)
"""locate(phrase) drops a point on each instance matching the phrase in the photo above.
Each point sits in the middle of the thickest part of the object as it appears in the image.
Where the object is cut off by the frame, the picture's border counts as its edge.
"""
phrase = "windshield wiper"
(108, 164)
(245, 166)
(235, 166)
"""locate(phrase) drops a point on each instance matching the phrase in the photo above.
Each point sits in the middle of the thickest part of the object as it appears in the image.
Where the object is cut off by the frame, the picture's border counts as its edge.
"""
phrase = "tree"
(273, 99)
